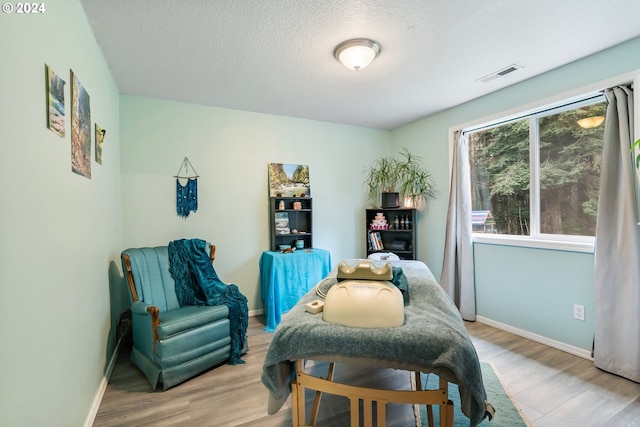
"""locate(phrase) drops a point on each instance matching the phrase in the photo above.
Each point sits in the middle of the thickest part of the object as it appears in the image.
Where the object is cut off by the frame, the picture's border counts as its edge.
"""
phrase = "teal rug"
(507, 413)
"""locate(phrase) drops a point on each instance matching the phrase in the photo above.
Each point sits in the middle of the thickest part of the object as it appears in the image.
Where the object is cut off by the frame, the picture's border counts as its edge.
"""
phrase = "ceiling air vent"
(500, 73)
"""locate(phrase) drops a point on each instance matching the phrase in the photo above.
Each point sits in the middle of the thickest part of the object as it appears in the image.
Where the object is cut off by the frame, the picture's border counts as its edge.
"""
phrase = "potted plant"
(633, 149)
(391, 178)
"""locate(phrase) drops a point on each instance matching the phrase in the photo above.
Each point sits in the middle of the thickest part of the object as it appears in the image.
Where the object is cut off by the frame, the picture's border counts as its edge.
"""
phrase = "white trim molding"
(254, 313)
(91, 417)
(586, 354)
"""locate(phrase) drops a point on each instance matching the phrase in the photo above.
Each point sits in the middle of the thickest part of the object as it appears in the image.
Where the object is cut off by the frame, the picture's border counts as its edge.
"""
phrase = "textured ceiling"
(277, 56)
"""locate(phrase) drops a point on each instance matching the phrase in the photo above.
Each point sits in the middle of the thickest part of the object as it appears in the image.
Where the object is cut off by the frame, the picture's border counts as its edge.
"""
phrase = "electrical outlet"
(578, 312)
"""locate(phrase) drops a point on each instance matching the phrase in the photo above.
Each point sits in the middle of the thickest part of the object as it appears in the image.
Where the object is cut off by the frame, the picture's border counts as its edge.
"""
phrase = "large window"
(538, 175)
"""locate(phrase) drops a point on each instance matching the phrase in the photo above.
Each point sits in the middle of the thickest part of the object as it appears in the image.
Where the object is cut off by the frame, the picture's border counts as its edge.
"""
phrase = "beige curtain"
(457, 269)
(617, 249)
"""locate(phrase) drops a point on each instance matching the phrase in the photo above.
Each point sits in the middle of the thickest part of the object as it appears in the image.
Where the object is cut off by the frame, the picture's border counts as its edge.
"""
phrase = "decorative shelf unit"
(290, 220)
(400, 240)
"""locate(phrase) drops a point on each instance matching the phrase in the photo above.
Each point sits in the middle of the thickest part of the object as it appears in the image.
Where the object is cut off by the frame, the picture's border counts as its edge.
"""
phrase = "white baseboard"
(254, 313)
(103, 387)
(586, 354)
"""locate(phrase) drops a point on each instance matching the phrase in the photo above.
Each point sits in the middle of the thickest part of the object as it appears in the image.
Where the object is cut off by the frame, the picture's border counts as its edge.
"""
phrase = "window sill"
(586, 245)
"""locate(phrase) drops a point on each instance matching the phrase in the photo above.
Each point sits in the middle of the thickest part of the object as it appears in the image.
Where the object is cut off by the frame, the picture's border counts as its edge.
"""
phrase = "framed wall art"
(55, 102)
(80, 129)
(99, 138)
(288, 180)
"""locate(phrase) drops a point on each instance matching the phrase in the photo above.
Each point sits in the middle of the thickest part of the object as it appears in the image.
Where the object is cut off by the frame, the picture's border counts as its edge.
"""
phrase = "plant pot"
(390, 200)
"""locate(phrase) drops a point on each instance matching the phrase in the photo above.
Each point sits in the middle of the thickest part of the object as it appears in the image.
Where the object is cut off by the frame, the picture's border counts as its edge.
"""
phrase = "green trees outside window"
(550, 189)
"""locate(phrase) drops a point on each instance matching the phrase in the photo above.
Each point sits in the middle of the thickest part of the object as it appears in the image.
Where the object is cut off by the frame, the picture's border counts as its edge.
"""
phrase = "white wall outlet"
(578, 312)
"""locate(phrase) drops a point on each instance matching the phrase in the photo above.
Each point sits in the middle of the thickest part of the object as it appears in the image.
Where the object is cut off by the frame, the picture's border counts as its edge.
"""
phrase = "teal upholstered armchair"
(171, 343)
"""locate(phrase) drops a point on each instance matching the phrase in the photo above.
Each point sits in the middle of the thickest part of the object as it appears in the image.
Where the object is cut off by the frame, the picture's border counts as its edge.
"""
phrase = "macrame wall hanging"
(187, 194)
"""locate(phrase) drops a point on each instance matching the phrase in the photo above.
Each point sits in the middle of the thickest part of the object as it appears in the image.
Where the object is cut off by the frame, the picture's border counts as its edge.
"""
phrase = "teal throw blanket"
(197, 283)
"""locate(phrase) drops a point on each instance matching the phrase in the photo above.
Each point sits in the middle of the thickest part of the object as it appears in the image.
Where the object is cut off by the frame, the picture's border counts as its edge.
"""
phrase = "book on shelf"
(375, 241)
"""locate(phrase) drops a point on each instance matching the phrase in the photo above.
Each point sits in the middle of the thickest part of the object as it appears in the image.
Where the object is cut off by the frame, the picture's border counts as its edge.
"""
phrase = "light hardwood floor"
(552, 387)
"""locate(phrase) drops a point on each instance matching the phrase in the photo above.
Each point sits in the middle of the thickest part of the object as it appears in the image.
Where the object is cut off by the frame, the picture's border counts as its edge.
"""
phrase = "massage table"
(433, 339)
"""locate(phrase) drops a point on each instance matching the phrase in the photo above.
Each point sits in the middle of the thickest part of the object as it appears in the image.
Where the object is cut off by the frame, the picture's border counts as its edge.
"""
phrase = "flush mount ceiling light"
(591, 122)
(356, 54)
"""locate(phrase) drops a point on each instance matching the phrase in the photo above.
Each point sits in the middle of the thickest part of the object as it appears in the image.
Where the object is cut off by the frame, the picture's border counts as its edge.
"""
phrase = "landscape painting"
(286, 180)
(80, 129)
(55, 102)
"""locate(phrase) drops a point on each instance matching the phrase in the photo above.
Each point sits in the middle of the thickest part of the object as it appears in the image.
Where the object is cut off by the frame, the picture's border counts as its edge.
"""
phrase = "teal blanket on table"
(197, 283)
(432, 339)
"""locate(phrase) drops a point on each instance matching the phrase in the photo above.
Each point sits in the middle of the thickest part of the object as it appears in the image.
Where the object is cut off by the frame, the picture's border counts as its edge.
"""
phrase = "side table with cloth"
(286, 277)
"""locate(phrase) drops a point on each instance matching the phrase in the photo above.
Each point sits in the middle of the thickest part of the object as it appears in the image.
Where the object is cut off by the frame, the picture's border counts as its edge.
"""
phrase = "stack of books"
(375, 242)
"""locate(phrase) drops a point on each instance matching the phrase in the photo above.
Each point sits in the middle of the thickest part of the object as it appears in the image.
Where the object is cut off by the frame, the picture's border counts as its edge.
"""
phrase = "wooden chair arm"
(155, 322)
(129, 276)
(212, 253)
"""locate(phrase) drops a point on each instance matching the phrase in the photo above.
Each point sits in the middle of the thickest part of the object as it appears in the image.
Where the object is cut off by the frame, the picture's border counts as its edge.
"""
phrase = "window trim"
(586, 244)
(567, 243)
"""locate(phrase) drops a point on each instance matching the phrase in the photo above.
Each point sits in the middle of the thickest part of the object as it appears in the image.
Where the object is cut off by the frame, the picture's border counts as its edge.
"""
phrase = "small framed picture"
(55, 102)
(99, 138)
(282, 223)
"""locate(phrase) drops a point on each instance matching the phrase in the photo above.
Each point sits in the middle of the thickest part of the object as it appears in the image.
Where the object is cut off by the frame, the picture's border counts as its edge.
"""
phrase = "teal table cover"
(286, 277)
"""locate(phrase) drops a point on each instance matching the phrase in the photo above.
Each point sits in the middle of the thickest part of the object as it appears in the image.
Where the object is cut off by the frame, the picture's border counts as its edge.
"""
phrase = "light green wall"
(536, 298)
(231, 151)
(564, 276)
(59, 231)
